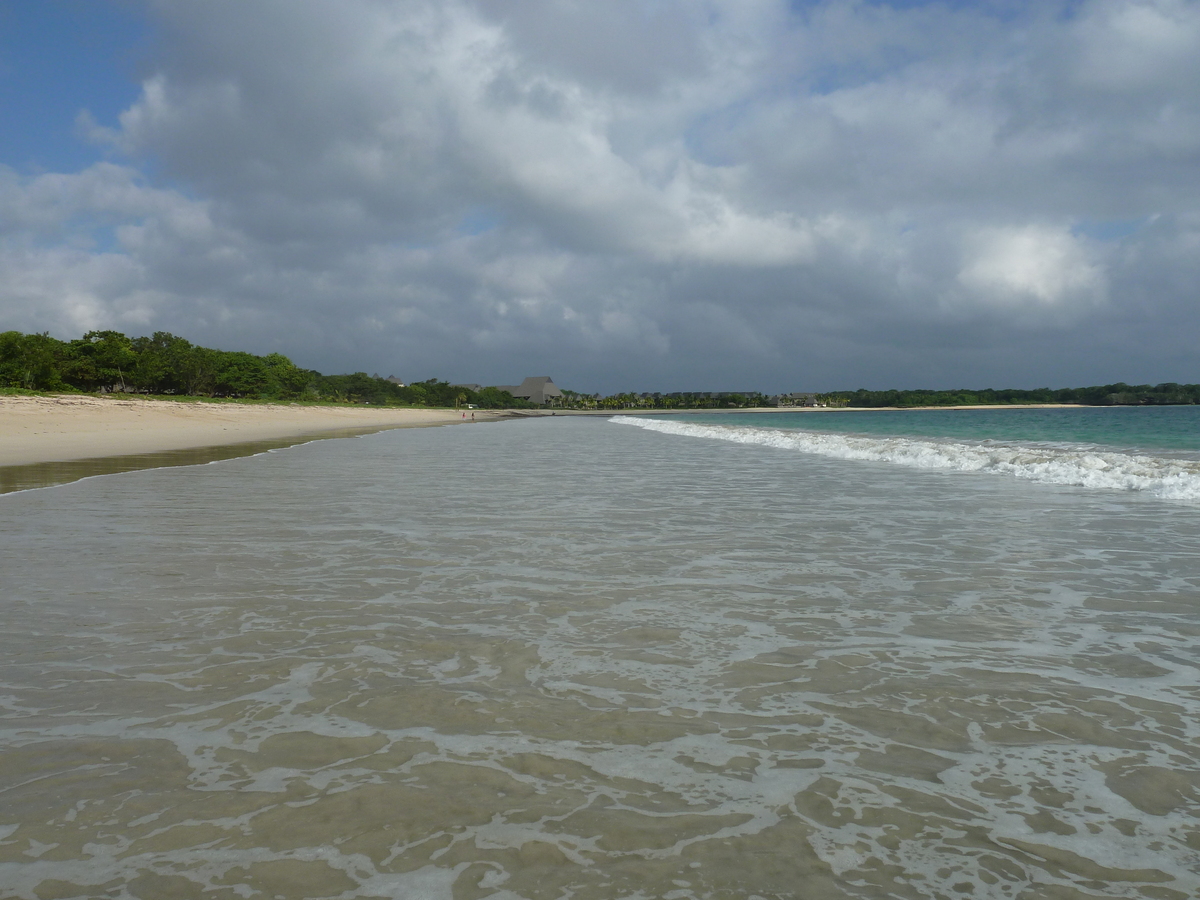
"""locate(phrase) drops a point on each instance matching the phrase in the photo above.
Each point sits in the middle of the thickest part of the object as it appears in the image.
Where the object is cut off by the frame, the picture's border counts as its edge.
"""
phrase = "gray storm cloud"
(647, 195)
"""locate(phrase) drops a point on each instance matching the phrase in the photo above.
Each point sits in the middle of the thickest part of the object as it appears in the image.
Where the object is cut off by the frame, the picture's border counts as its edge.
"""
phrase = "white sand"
(69, 427)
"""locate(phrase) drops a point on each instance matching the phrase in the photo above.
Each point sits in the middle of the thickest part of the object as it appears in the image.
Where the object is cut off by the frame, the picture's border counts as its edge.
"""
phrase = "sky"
(649, 195)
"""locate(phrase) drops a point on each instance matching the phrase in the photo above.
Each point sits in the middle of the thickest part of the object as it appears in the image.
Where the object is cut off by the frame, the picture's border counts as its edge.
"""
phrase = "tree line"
(166, 364)
(1119, 394)
(679, 400)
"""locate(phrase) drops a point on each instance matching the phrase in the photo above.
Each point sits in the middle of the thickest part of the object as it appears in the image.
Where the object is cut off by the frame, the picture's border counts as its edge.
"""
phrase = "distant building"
(798, 399)
(537, 389)
(396, 381)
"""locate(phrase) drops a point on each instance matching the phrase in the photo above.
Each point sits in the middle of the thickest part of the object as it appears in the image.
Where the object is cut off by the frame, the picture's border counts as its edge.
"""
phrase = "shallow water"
(564, 658)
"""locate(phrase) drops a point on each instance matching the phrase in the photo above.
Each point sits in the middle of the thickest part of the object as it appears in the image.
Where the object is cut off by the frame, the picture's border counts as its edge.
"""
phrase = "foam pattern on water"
(1090, 467)
(555, 659)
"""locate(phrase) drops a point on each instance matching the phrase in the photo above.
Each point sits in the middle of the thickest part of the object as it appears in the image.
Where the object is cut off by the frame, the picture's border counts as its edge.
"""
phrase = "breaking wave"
(1169, 479)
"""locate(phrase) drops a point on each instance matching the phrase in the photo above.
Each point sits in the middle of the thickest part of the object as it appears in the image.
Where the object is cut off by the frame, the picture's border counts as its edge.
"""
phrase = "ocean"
(923, 654)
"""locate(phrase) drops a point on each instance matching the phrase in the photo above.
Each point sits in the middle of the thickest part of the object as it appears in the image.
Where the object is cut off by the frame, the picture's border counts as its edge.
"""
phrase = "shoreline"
(72, 428)
(795, 409)
(60, 438)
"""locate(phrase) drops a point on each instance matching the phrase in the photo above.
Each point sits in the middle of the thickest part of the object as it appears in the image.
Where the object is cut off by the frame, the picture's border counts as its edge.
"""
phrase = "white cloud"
(1134, 45)
(677, 190)
(1032, 267)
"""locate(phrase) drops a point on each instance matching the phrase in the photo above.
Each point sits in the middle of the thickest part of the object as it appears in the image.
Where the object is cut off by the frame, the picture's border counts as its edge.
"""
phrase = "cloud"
(764, 194)
(1137, 47)
(1031, 268)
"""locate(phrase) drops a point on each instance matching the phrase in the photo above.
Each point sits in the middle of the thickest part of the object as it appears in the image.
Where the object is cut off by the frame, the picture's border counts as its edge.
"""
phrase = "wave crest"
(1169, 479)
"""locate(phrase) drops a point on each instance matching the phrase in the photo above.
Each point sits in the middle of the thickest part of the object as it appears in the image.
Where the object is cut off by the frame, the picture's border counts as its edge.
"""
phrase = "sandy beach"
(70, 427)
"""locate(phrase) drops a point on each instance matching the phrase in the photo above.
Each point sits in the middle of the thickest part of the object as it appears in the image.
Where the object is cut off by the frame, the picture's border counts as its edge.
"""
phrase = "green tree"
(286, 379)
(32, 361)
(166, 364)
(239, 374)
(101, 360)
(194, 369)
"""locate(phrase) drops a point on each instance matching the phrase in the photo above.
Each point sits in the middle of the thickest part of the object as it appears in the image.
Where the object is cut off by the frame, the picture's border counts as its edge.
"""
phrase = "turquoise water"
(1148, 450)
(1175, 428)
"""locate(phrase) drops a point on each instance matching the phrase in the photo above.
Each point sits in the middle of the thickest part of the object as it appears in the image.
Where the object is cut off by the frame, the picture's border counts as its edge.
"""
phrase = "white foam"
(1169, 479)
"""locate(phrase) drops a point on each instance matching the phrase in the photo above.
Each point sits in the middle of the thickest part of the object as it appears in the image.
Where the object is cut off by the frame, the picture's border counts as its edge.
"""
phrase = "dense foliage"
(165, 364)
(1119, 394)
(363, 388)
(679, 400)
(1102, 395)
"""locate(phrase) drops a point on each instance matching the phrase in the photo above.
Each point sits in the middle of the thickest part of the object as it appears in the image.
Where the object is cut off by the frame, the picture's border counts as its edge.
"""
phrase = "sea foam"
(1169, 479)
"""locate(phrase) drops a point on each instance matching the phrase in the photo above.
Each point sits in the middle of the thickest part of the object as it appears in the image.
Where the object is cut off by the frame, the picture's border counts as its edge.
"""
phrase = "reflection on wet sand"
(48, 474)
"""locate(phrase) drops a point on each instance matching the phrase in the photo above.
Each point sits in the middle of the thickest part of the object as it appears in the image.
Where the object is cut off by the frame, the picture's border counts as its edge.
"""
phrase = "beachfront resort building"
(797, 399)
(537, 389)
